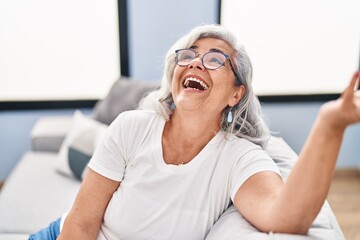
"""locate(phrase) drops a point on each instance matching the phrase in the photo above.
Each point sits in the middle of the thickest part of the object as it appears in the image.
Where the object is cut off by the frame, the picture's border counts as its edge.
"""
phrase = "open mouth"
(195, 83)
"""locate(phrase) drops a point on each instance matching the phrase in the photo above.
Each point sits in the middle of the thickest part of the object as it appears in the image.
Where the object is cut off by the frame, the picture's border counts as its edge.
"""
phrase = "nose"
(196, 63)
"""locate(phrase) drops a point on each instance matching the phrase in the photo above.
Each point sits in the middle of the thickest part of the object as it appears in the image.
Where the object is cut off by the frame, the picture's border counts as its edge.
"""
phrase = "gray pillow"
(282, 154)
(124, 95)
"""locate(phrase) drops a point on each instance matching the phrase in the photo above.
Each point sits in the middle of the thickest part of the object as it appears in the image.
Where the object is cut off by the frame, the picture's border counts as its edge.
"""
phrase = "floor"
(344, 199)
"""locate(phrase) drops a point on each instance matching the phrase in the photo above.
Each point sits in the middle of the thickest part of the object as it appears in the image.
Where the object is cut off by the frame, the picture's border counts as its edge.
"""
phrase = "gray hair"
(247, 121)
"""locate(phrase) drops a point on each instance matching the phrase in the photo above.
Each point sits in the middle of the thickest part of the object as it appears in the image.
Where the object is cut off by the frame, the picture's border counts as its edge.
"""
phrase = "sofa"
(43, 185)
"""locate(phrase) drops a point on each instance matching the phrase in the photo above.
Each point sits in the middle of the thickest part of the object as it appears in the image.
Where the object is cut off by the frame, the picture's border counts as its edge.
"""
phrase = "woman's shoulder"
(233, 139)
(238, 144)
(243, 151)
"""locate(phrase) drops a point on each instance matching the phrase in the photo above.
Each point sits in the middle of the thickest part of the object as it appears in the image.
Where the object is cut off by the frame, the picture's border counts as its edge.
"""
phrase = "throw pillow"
(79, 145)
(124, 95)
(80, 152)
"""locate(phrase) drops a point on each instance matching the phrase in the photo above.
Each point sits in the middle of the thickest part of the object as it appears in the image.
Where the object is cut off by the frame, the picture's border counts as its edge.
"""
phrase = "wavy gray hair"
(247, 121)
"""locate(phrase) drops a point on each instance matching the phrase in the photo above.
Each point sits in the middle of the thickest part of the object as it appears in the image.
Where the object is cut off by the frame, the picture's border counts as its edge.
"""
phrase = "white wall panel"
(58, 50)
(297, 47)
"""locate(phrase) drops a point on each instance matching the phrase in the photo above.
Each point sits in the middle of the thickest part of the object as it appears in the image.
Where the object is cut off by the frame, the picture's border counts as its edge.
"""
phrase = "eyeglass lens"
(210, 60)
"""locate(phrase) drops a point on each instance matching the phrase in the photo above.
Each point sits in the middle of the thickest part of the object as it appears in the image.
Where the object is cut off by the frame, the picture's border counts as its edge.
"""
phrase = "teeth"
(186, 84)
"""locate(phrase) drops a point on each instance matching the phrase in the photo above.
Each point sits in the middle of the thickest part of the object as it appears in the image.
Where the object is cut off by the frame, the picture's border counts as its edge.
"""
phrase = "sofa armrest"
(48, 133)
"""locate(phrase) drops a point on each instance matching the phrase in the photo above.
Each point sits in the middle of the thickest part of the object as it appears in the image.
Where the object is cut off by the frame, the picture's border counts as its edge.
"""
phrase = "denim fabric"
(49, 233)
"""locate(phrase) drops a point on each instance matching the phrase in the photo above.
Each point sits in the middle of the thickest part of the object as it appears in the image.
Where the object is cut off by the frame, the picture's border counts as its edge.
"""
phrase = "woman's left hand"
(344, 111)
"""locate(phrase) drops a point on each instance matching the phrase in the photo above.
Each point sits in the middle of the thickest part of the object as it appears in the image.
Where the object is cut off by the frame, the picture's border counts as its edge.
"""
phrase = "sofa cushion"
(80, 142)
(34, 195)
(124, 95)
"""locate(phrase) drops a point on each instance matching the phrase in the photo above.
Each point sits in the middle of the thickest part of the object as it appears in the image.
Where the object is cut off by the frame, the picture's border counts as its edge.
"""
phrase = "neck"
(185, 136)
(192, 129)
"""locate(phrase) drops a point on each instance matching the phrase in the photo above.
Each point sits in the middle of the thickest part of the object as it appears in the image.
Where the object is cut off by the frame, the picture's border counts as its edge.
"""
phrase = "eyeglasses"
(210, 60)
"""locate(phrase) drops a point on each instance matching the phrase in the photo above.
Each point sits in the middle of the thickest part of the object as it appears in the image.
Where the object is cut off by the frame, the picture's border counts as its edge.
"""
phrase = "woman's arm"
(292, 207)
(86, 215)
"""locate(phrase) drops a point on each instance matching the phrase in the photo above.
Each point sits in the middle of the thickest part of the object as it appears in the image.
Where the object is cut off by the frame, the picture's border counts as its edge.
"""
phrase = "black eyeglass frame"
(227, 57)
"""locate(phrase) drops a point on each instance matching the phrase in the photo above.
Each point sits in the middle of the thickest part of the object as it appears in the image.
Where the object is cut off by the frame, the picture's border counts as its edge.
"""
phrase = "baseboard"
(347, 172)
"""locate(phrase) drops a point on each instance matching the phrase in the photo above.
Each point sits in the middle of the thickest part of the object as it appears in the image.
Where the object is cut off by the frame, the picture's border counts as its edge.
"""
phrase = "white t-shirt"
(160, 201)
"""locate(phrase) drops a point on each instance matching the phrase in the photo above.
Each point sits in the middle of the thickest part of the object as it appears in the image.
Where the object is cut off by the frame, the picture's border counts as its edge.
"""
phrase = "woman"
(170, 170)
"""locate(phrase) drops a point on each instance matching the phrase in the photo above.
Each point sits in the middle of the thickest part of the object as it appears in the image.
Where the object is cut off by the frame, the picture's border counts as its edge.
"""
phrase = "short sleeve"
(109, 158)
(252, 162)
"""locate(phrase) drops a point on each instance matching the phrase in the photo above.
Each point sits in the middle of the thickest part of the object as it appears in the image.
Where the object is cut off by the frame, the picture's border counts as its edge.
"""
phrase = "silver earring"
(172, 106)
(230, 116)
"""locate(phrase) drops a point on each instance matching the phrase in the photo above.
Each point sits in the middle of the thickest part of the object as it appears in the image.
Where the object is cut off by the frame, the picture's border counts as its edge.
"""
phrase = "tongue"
(196, 85)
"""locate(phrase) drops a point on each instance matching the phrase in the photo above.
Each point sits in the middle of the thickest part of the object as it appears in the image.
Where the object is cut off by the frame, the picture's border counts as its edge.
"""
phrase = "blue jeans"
(49, 233)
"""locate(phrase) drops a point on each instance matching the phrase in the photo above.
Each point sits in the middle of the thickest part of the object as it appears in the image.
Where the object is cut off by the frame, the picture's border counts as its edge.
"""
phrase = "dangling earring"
(230, 116)
(172, 106)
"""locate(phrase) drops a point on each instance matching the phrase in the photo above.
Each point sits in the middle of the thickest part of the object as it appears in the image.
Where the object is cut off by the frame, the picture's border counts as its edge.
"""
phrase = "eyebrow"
(211, 50)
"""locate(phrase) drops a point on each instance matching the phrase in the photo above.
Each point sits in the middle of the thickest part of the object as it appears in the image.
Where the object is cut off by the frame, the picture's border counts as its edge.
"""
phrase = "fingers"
(355, 80)
(349, 91)
(357, 101)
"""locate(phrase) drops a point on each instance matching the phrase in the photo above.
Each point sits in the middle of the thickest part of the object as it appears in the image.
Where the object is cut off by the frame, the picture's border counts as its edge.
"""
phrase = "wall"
(293, 122)
(155, 25)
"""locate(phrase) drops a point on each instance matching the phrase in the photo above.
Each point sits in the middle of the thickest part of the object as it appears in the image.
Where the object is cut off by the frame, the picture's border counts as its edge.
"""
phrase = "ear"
(237, 96)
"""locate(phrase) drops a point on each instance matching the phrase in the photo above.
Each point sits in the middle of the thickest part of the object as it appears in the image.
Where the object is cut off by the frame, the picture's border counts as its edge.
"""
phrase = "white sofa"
(36, 192)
